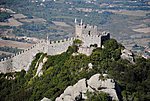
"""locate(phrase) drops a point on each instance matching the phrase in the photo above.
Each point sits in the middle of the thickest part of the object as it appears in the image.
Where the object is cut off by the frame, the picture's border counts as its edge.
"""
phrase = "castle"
(87, 33)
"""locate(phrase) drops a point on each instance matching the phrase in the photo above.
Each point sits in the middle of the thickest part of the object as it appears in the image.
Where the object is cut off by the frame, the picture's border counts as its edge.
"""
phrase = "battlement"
(86, 29)
(87, 26)
(22, 60)
(62, 41)
(84, 35)
(50, 42)
(104, 33)
(35, 46)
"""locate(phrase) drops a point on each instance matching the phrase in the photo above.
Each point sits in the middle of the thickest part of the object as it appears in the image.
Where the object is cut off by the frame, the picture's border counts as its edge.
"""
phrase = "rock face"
(39, 71)
(90, 65)
(127, 54)
(45, 99)
(85, 50)
(97, 82)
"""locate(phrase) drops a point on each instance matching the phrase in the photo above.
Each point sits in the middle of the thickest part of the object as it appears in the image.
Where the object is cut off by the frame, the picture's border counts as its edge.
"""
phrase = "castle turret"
(84, 29)
(78, 28)
(47, 43)
(75, 21)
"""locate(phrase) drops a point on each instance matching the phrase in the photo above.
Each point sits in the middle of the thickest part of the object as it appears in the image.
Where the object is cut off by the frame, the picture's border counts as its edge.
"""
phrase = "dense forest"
(64, 70)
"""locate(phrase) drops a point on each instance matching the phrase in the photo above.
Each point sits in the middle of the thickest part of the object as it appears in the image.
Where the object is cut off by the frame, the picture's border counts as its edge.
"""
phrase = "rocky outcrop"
(97, 82)
(46, 99)
(39, 71)
(86, 50)
(128, 55)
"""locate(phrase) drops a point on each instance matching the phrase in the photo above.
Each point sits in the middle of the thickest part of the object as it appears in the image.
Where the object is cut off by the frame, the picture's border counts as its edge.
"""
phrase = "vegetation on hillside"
(4, 16)
(64, 70)
(10, 49)
(97, 96)
(77, 42)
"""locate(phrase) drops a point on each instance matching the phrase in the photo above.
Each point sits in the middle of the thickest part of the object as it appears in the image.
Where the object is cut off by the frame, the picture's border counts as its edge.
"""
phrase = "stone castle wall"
(57, 47)
(90, 40)
(89, 29)
(23, 59)
(89, 35)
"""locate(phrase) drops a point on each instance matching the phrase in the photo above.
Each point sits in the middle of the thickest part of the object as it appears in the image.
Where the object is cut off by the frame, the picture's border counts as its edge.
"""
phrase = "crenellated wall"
(57, 47)
(23, 59)
(89, 34)
(85, 29)
(92, 40)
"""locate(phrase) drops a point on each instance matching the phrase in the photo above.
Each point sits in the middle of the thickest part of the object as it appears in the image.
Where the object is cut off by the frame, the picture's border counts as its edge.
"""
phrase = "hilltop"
(63, 70)
(85, 63)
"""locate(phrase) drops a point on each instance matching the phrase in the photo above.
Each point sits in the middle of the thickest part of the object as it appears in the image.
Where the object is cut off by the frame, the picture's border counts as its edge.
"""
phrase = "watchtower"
(84, 29)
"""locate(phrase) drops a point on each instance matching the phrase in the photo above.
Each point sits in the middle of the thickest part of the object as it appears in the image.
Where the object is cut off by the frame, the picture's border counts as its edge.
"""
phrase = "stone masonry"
(22, 60)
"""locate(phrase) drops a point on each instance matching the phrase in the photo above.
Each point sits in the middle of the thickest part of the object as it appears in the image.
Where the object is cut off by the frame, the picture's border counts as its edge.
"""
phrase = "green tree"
(77, 42)
(4, 16)
(111, 45)
(97, 96)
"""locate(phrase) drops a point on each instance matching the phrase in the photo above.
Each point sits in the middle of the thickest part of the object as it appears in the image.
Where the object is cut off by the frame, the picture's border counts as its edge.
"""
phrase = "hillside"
(63, 70)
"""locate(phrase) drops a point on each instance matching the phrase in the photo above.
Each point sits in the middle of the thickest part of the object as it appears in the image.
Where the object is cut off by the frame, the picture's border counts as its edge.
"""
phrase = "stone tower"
(84, 29)
(47, 43)
(78, 28)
